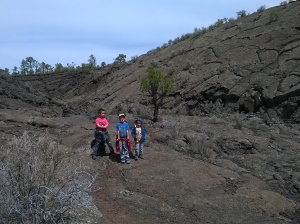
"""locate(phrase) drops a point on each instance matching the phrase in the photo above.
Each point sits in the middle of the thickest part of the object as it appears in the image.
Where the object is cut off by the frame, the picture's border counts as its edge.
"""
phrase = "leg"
(99, 140)
(108, 142)
(122, 151)
(126, 152)
(137, 151)
(141, 150)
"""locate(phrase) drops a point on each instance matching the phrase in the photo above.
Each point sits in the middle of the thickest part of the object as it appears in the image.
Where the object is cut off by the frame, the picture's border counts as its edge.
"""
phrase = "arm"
(118, 135)
(133, 133)
(118, 132)
(105, 125)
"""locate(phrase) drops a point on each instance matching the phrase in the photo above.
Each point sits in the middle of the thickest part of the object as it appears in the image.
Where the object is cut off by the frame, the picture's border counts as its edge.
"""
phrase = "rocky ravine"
(219, 167)
(250, 65)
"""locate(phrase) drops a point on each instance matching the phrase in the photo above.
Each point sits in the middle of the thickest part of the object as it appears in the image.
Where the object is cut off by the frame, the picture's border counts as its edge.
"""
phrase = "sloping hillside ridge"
(249, 65)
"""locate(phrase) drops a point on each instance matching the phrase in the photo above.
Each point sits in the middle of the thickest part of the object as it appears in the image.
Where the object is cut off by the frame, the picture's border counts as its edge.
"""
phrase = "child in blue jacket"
(139, 135)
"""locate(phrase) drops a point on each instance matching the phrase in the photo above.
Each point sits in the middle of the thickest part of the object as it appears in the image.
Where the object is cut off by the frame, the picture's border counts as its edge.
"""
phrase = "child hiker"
(101, 134)
(123, 143)
(139, 135)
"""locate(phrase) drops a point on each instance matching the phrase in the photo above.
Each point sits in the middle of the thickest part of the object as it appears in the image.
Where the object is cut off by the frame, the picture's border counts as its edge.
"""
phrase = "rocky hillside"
(248, 65)
(226, 149)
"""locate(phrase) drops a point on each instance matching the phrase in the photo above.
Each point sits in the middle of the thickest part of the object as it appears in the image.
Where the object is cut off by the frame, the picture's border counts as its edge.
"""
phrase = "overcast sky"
(66, 31)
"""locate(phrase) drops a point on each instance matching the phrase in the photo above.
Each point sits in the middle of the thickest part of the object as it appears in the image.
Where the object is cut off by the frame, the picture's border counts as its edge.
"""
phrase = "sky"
(69, 31)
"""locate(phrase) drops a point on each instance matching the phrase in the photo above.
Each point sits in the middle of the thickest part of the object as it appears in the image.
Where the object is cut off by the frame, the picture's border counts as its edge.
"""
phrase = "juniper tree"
(158, 86)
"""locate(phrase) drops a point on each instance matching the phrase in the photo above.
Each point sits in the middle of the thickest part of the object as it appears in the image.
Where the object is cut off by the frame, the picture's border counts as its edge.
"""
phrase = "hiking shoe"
(135, 157)
(141, 156)
(122, 161)
(128, 161)
(93, 157)
(112, 155)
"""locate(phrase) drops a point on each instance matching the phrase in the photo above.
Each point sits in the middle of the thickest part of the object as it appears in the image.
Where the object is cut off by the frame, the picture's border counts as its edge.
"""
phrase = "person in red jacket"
(101, 134)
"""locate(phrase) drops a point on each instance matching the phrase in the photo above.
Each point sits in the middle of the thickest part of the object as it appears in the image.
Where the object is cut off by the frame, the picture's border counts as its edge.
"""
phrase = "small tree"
(120, 59)
(4, 71)
(71, 67)
(241, 14)
(158, 86)
(58, 67)
(92, 61)
(15, 71)
(29, 66)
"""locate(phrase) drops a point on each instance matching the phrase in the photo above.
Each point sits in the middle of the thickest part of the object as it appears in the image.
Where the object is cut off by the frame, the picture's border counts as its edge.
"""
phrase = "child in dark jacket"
(139, 135)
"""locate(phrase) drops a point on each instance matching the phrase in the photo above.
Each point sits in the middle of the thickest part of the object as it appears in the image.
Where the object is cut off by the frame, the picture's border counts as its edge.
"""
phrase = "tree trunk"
(155, 115)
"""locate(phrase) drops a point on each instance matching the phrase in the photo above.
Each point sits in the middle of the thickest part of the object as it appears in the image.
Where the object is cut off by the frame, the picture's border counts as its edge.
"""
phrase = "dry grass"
(38, 182)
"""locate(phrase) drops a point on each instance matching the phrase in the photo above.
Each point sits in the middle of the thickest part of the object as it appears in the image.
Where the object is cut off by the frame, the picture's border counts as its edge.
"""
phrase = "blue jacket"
(143, 138)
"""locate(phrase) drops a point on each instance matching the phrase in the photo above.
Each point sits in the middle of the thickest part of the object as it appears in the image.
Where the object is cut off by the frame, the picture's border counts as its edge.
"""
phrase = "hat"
(122, 115)
(138, 119)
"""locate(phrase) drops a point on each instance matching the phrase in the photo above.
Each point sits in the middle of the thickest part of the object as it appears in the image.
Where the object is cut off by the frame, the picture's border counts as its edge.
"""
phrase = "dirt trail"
(167, 187)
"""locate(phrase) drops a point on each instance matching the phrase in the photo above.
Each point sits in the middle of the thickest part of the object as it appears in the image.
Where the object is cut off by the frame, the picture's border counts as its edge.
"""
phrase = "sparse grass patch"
(174, 129)
(39, 183)
(202, 145)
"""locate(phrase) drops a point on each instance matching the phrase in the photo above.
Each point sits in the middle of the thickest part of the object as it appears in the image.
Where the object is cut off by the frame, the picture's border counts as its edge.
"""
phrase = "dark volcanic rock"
(250, 65)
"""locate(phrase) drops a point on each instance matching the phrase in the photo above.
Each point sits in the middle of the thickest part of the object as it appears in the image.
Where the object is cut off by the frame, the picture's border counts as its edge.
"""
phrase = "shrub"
(38, 183)
(199, 31)
(164, 45)
(134, 58)
(154, 63)
(284, 4)
(219, 22)
(273, 15)
(187, 65)
(203, 146)
(261, 8)
(241, 14)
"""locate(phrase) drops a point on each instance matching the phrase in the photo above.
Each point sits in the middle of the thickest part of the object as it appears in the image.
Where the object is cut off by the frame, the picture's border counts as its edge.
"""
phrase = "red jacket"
(128, 144)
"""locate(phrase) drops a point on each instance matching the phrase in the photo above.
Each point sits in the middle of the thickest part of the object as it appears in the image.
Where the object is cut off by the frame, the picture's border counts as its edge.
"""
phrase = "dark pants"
(101, 137)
